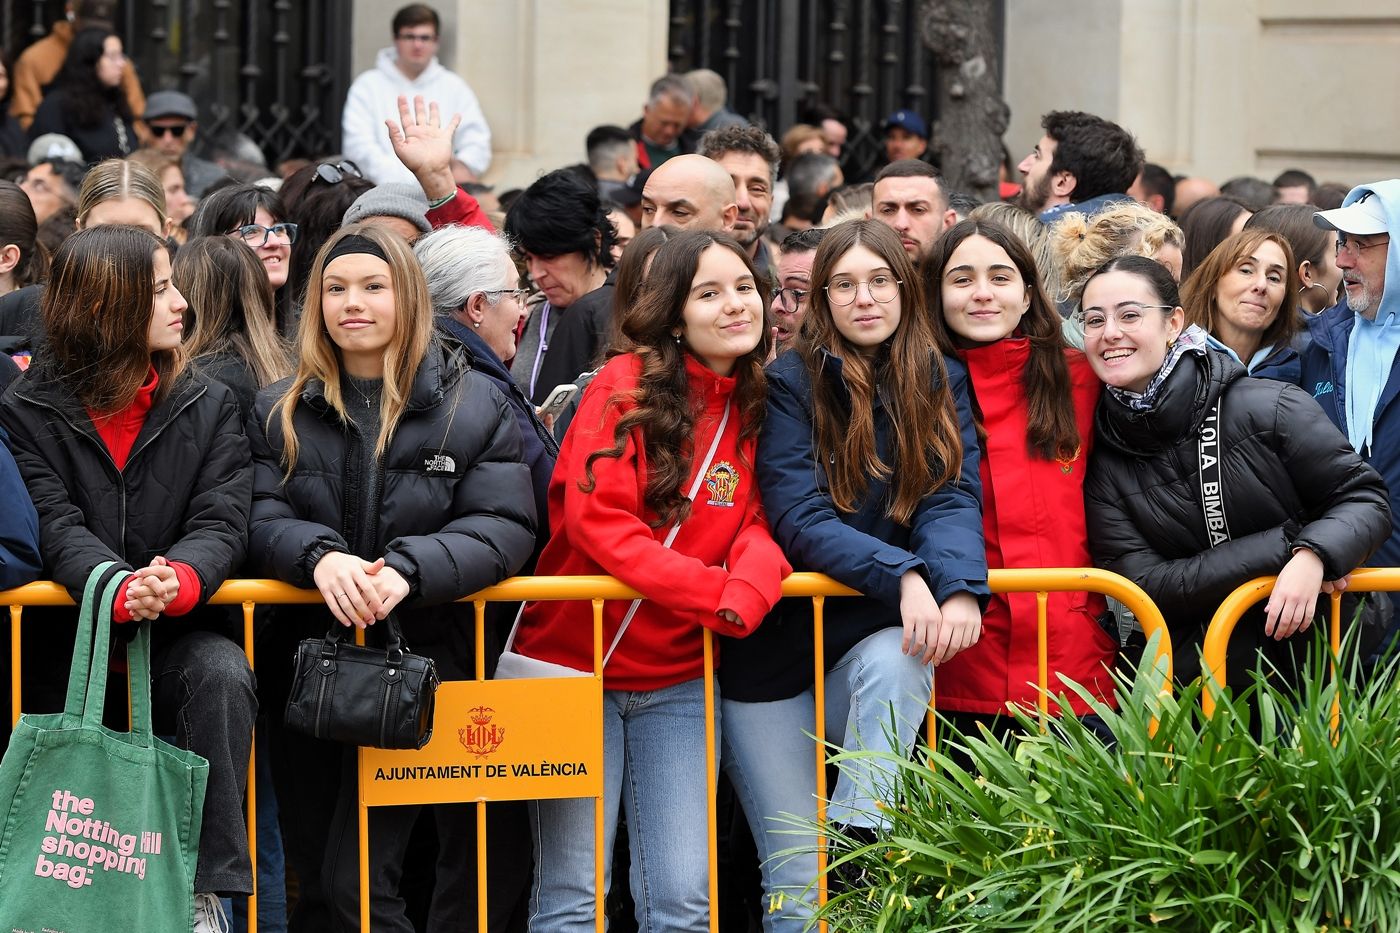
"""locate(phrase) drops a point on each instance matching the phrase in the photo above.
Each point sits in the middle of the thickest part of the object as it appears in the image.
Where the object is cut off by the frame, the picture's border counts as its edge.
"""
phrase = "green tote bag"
(101, 828)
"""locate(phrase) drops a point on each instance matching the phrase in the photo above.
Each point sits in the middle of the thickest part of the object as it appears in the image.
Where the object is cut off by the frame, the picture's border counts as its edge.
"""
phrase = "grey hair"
(458, 262)
(709, 88)
(672, 86)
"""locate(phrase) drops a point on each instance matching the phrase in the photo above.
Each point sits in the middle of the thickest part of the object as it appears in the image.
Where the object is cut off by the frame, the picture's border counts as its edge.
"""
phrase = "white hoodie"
(373, 98)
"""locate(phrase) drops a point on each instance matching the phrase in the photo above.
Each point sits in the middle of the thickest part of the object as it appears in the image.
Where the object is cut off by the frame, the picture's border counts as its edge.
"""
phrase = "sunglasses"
(177, 131)
(333, 173)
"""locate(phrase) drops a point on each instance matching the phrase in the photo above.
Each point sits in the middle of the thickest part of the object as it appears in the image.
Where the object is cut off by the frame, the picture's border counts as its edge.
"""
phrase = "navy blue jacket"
(20, 561)
(1324, 365)
(866, 549)
(537, 445)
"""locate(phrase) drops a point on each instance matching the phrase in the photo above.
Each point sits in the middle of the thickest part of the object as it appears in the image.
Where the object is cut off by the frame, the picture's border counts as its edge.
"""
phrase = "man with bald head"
(690, 191)
(1190, 190)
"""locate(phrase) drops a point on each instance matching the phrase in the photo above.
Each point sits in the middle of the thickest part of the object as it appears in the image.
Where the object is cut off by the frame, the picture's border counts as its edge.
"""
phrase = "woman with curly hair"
(86, 102)
(655, 486)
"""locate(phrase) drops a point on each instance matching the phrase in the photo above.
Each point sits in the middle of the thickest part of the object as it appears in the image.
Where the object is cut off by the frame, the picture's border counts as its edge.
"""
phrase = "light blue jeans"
(769, 757)
(654, 767)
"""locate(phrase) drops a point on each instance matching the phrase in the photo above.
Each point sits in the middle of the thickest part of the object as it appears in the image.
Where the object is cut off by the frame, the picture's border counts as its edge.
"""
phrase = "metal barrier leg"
(711, 781)
(16, 612)
(1042, 645)
(252, 794)
(819, 698)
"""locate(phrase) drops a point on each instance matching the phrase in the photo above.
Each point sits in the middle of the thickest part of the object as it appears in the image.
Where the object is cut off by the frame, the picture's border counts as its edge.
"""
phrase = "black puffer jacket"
(184, 493)
(456, 512)
(1289, 478)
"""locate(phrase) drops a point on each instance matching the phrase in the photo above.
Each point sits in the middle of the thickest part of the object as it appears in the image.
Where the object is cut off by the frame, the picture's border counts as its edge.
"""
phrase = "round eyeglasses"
(882, 288)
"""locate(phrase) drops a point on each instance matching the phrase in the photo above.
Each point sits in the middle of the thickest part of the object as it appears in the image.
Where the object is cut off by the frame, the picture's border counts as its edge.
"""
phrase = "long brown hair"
(1051, 432)
(97, 316)
(19, 228)
(319, 357)
(664, 409)
(908, 370)
(230, 306)
(117, 178)
(1198, 291)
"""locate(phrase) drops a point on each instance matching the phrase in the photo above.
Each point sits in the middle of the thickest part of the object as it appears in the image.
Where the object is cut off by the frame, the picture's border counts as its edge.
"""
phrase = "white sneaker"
(209, 916)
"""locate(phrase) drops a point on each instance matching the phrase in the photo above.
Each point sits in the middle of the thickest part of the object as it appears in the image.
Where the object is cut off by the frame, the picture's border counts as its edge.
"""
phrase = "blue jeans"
(654, 767)
(771, 761)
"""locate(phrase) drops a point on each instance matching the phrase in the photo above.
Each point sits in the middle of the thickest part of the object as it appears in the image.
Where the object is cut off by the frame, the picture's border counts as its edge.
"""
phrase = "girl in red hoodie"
(692, 384)
(1034, 400)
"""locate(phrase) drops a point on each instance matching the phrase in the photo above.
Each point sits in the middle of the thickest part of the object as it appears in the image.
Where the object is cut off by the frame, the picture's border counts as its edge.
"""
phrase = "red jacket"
(608, 531)
(1032, 516)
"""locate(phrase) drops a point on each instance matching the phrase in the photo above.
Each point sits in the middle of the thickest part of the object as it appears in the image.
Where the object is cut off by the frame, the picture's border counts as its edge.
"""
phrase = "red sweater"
(1032, 516)
(606, 531)
(119, 431)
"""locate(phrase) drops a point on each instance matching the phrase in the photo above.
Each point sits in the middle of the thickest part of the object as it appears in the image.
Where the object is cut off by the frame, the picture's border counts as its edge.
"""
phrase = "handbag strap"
(83, 643)
(670, 539)
(1212, 480)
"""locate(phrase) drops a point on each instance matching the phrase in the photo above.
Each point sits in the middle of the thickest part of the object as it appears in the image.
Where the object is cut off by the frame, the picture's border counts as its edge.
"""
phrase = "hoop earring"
(1312, 285)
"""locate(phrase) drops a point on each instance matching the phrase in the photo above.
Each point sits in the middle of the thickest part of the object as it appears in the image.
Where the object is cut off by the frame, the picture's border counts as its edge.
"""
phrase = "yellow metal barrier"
(249, 593)
(1222, 626)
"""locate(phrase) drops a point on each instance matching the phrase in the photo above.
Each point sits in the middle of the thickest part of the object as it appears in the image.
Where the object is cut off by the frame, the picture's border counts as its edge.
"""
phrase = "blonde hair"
(1081, 243)
(1030, 231)
(118, 178)
(319, 357)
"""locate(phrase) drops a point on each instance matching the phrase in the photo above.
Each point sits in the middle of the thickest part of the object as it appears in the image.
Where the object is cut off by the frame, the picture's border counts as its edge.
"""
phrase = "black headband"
(355, 243)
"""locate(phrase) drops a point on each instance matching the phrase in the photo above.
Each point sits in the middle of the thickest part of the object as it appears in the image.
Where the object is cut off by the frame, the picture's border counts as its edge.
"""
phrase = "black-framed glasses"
(256, 235)
(1353, 245)
(333, 173)
(495, 294)
(790, 299)
(882, 288)
(1128, 317)
(178, 131)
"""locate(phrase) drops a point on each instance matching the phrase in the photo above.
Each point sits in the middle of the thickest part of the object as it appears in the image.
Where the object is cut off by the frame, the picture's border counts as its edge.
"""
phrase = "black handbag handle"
(394, 651)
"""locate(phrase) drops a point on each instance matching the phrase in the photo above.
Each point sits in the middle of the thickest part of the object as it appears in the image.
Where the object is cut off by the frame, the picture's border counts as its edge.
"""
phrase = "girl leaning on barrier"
(1034, 402)
(388, 476)
(1202, 479)
(868, 465)
(631, 498)
(131, 457)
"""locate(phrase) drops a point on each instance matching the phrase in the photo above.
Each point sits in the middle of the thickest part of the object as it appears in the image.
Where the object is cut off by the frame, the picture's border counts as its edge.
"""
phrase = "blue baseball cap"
(907, 120)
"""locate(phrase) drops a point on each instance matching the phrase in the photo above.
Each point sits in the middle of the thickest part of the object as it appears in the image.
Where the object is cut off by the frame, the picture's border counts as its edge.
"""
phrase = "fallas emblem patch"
(722, 481)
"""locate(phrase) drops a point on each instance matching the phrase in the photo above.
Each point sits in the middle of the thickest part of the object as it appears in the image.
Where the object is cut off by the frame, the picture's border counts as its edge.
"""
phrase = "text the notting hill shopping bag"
(101, 828)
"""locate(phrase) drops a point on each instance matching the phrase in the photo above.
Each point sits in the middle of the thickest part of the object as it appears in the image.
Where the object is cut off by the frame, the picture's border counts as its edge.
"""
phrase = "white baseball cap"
(1363, 217)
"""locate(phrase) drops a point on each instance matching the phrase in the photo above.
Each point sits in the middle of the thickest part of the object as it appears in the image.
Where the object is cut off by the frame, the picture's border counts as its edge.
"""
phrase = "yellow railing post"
(1222, 626)
(251, 803)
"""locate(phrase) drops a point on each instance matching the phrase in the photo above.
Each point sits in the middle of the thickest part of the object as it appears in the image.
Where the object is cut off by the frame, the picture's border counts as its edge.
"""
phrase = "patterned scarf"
(1191, 340)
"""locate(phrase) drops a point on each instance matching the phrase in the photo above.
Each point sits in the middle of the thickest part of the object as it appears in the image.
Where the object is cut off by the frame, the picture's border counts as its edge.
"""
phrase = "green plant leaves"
(1262, 818)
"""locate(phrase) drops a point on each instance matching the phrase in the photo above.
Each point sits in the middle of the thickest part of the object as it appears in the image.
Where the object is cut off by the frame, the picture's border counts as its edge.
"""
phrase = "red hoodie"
(607, 531)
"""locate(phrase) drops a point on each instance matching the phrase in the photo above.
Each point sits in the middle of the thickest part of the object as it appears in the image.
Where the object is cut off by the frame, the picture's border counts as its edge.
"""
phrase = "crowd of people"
(702, 359)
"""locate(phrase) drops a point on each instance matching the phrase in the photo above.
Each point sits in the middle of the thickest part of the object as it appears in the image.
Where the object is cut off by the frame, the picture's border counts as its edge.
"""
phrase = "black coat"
(455, 513)
(184, 493)
(1289, 478)
(101, 140)
(578, 342)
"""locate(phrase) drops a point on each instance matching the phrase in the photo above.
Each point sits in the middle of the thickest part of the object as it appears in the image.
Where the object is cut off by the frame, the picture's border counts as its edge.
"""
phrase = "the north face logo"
(440, 463)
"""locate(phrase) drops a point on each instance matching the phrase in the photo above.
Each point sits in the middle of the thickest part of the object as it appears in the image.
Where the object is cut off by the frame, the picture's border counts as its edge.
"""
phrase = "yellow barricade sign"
(497, 740)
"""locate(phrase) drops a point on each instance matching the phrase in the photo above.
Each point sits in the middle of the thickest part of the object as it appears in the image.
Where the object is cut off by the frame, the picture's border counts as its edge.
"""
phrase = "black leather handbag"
(362, 695)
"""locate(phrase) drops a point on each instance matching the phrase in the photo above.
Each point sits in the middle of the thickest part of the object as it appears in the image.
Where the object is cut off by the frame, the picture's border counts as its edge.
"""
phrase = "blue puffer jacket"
(1324, 365)
(865, 549)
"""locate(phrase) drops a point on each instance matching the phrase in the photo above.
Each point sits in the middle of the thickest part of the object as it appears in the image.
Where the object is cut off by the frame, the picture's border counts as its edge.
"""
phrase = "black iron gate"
(865, 58)
(275, 71)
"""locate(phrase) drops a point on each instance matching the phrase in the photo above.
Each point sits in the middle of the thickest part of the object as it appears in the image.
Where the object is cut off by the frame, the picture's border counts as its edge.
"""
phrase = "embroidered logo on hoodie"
(722, 481)
(437, 463)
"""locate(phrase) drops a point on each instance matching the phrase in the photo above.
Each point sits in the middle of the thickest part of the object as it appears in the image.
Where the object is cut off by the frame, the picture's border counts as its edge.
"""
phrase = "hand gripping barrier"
(482, 734)
(1222, 626)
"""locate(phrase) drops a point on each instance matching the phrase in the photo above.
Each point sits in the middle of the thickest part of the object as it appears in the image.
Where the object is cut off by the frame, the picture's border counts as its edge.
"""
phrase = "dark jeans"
(453, 906)
(202, 692)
